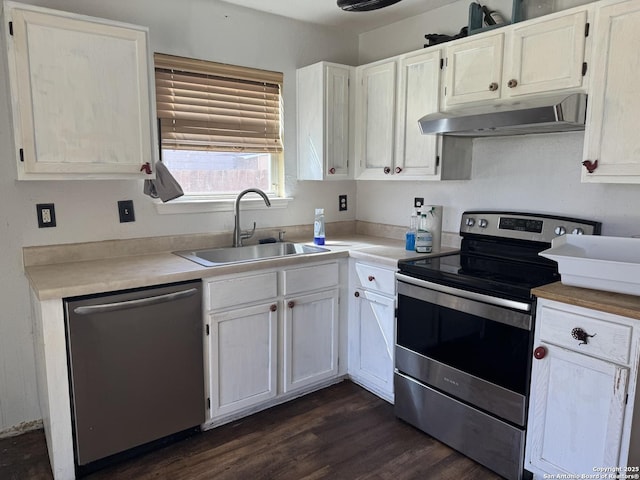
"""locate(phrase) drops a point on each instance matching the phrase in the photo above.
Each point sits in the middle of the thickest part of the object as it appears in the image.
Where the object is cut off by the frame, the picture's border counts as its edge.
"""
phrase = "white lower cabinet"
(582, 394)
(271, 332)
(310, 339)
(244, 357)
(372, 328)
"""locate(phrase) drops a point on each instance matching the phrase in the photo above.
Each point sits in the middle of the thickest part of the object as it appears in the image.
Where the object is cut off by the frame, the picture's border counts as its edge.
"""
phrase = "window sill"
(197, 205)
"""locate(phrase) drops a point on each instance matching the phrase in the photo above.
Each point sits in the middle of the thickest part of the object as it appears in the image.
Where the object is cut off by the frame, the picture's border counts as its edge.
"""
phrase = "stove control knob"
(482, 223)
(560, 230)
(577, 231)
(470, 222)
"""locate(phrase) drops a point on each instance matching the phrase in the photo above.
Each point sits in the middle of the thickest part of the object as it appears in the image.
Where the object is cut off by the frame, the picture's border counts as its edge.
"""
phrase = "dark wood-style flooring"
(341, 432)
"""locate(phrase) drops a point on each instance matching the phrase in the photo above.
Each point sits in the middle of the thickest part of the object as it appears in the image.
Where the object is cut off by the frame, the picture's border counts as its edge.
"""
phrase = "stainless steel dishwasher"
(136, 367)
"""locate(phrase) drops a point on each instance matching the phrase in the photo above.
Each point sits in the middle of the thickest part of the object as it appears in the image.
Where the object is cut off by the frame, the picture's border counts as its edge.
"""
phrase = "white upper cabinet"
(81, 99)
(392, 96)
(324, 112)
(473, 70)
(611, 135)
(542, 56)
(547, 55)
(375, 118)
(418, 95)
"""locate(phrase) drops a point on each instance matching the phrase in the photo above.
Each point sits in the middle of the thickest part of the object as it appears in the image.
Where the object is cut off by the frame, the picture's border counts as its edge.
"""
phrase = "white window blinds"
(212, 106)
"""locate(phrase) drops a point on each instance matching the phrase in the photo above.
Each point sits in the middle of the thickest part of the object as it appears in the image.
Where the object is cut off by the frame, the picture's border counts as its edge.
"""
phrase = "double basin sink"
(221, 256)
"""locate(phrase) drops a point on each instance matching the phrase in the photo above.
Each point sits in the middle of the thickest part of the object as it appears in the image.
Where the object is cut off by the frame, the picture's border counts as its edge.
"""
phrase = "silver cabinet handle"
(141, 302)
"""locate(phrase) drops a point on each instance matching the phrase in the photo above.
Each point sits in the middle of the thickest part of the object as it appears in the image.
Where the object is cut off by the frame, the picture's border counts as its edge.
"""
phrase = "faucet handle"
(281, 234)
(248, 233)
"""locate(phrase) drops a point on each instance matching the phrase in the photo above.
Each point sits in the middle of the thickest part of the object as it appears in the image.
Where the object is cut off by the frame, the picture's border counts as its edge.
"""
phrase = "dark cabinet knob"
(357, 294)
(273, 307)
(387, 170)
(371, 278)
(332, 170)
(398, 169)
(291, 304)
(493, 87)
(512, 83)
(581, 335)
(539, 353)
(590, 166)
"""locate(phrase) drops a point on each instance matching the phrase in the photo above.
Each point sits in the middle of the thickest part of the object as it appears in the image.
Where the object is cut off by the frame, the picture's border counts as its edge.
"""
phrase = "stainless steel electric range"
(465, 334)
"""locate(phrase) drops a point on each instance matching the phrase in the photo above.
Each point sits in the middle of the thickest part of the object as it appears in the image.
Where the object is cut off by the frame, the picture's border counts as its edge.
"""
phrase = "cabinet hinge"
(208, 403)
(395, 313)
(626, 398)
(441, 63)
(586, 29)
(21, 152)
(207, 328)
(11, 28)
(437, 160)
(584, 68)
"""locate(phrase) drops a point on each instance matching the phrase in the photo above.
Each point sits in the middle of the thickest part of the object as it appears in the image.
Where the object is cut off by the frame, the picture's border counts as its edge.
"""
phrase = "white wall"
(408, 35)
(87, 210)
(537, 173)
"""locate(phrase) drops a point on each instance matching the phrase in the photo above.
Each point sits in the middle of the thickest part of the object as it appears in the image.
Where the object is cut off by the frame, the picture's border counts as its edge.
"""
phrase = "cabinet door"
(323, 121)
(371, 357)
(337, 122)
(376, 107)
(545, 56)
(243, 358)
(80, 96)
(576, 412)
(473, 70)
(418, 95)
(310, 339)
(611, 135)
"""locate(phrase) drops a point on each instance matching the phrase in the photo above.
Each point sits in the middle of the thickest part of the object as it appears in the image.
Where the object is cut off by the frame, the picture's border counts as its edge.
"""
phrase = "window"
(219, 126)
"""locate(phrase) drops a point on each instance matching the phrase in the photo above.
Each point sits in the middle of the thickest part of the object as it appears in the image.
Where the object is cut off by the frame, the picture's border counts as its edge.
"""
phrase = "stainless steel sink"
(221, 256)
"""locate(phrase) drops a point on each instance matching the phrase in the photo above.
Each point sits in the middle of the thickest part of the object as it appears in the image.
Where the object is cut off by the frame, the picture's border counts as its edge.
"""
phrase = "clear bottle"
(410, 236)
(424, 239)
(318, 227)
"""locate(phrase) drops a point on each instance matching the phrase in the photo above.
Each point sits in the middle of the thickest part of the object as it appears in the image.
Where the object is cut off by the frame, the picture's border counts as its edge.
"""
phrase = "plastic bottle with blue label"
(410, 236)
(318, 227)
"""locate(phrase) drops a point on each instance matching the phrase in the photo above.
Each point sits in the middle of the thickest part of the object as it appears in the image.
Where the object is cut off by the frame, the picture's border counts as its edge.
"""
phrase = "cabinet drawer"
(610, 341)
(241, 290)
(315, 277)
(375, 278)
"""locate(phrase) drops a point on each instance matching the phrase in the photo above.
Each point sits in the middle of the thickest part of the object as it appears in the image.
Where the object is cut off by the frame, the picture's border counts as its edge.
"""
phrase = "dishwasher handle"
(141, 302)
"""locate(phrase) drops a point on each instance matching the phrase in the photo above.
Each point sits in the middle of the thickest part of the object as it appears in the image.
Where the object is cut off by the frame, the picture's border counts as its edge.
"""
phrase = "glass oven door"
(476, 351)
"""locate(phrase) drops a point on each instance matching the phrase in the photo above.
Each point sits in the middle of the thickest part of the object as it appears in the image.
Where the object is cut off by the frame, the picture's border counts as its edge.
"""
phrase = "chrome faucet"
(238, 234)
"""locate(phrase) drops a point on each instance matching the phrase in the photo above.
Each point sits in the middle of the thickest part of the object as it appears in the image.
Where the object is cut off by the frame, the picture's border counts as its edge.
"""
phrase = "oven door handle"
(501, 302)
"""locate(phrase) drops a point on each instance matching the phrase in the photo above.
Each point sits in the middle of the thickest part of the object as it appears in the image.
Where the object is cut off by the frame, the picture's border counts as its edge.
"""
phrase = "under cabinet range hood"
(564, 114)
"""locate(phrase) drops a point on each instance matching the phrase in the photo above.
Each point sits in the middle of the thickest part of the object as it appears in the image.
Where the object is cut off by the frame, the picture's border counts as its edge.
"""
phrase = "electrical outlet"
(342, 203)
(418, 202)
(46, 215)
(125, 209)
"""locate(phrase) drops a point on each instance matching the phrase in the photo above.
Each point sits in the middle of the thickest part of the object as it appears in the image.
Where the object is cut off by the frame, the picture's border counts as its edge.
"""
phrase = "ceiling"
(327, 13)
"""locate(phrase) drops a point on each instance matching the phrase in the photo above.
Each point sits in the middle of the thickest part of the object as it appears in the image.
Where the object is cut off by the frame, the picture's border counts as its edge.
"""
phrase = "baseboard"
(21, 428)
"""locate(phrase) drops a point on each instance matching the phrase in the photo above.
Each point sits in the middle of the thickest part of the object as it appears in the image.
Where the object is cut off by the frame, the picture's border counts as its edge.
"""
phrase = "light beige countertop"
(616, 303)
(135, 269)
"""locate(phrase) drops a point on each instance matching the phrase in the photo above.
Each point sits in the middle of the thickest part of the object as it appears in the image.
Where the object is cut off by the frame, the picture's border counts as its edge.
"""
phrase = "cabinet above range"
(81, 99)
(541, 56)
